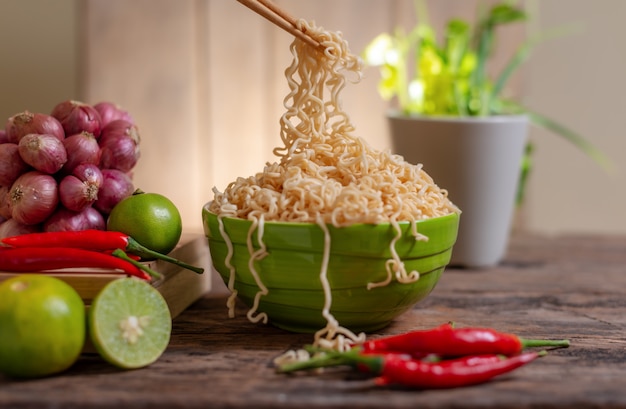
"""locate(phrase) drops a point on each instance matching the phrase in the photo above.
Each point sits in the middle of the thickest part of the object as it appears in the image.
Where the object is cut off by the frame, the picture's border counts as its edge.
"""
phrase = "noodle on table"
(324, 174)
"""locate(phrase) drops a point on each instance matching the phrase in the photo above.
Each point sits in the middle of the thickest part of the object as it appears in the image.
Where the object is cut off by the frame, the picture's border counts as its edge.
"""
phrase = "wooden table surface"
(559, 287)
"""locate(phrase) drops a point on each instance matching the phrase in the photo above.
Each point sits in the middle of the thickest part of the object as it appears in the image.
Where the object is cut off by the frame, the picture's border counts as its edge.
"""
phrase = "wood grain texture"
(143, 55)
(559, 287)
(179, 287)
(205, 81)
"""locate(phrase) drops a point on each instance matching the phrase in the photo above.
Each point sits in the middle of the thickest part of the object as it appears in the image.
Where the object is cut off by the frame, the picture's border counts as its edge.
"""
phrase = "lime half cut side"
(130, 323)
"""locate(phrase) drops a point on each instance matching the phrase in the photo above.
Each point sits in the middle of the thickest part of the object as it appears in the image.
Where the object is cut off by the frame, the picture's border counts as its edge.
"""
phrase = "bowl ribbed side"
(357, 309)
(300, 270)
(295, 297)
(358, 256)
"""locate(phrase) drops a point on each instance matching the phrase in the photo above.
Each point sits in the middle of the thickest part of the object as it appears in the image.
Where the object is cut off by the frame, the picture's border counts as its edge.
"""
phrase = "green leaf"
(516, 61)
(504, 13)
(526, 167)
(479, 76)
(452, 79)
(522, 54)
(579, 141)
(457, 43)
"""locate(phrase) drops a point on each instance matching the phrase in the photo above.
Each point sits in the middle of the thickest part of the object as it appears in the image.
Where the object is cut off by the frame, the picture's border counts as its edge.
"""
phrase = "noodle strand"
(326, 175)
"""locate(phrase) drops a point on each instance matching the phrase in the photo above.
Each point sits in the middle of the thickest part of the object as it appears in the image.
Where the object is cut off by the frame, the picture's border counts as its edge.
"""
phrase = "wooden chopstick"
(281, 18)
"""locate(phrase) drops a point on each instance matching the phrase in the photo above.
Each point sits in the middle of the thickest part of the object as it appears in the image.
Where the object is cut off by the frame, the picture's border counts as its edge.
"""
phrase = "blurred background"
(204, 81)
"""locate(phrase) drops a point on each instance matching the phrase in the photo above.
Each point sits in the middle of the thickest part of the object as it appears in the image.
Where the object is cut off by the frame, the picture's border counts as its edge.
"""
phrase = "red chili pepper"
(401, 369)
(417, 355)
(473, 360)
(448, 374)
(28, 260)
(445, 340)
(417, 341)
(96, 240)
(377, 364)
(369, 362)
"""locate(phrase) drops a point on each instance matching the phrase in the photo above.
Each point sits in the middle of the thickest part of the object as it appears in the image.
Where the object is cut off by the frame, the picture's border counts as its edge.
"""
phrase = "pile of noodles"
(324, 174)
(323, 170)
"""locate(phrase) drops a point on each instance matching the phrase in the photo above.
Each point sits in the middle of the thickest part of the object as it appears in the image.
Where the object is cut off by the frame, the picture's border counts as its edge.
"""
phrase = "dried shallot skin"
(33, 197)
(67, 220)
(27, 122)
(110, 112)
(11, 163)
(43, 152)
(76, 117)
(81, 148)
(116, 185)
(119, 145)
(12, 227)
(79, 190)
(5, 205)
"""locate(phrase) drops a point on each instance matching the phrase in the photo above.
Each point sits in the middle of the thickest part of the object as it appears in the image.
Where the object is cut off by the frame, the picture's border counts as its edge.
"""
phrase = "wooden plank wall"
(204, 80)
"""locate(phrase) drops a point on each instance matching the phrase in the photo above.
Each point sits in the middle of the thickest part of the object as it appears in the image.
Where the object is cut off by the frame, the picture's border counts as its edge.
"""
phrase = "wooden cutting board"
(179, 287)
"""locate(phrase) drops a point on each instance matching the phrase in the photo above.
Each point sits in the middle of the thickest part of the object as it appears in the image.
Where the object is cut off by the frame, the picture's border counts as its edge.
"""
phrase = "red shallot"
(11, 163)
(116, 186)
(43, 152)
(77, 117)
(119, 145)
(33, 197)
(80, 189)
(27, 122)
(81, 148)
(110, 112)
(12, 227)
(5, 207)
(52, 171)
(67, 220)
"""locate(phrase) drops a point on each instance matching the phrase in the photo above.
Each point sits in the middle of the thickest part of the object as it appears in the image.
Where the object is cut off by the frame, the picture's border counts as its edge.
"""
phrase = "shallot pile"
(65, 170)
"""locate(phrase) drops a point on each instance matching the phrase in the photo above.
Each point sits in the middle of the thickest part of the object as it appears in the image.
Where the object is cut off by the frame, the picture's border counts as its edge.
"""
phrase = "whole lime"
(42, 326)
(150, 218)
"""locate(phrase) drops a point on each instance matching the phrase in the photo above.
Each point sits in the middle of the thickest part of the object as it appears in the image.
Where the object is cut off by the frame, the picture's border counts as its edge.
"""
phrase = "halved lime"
(129, 323)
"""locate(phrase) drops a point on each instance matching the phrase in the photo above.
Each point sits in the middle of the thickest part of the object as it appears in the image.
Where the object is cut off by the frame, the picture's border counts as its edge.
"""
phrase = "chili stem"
(136, 248)
(312, 363)
(333, 358)
(321, 360)
(545, 343)
(119, 253)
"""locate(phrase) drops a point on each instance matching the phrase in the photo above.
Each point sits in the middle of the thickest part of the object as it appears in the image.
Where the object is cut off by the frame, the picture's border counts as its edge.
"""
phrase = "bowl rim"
(452, 215)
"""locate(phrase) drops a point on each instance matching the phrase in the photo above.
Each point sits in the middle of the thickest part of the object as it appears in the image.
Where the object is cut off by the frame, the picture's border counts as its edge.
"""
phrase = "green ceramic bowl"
(291, 270)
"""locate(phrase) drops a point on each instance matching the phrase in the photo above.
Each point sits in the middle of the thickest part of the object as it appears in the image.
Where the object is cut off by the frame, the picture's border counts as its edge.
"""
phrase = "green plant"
(451, 78)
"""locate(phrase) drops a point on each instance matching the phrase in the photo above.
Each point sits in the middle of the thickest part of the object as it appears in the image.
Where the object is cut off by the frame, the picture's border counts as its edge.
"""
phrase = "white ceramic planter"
(478, 161)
